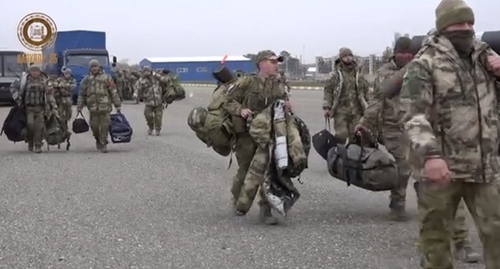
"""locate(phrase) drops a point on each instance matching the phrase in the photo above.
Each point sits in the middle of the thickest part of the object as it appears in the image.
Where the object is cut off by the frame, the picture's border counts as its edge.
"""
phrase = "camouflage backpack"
(177, 92)
(56, 132)
(212, 125)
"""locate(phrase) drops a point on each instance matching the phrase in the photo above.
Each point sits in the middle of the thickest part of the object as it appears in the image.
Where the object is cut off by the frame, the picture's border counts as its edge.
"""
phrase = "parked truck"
(74, 50)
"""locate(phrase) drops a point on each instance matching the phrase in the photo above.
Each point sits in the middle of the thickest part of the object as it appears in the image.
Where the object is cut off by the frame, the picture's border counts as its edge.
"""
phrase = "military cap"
(450, 12)
(147, 68)
(67, 71)
(403, 44)
(268, 55)
(35, 67)
(344, 52)
(94, 62)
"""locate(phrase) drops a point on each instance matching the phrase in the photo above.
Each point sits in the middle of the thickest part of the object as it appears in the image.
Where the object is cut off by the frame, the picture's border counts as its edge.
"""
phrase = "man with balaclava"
(452, 127)
(383, 116)
(345, 95)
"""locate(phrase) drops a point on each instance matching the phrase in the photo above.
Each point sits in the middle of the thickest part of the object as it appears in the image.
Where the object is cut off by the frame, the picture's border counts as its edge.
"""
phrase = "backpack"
(56, 132)
(120, 129)
(177, 93)
(15, 123)
(212, 125)
(80, 125)
(371, 168)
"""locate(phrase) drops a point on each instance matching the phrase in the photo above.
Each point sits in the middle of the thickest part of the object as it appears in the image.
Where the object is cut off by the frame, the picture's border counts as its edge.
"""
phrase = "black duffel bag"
(368, 166)
(80, 125)
(324, 140)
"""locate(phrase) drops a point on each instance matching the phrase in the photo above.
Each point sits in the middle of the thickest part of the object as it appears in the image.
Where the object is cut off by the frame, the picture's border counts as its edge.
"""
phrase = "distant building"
(198, 68)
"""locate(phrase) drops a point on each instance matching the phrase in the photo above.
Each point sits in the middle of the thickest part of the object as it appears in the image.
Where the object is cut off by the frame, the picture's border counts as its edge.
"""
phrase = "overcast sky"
(139, 29)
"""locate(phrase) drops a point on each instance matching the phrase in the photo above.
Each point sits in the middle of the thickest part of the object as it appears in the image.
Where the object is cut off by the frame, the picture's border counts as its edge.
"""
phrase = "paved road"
(164, 202)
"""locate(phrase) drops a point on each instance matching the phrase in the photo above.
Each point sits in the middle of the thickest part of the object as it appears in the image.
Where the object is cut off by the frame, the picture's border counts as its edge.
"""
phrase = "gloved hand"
(18, 101)
(119, 109)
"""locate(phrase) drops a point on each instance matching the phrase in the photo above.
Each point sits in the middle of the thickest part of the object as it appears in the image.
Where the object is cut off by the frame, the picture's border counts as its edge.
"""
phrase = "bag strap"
(328, 126)
(80, 114)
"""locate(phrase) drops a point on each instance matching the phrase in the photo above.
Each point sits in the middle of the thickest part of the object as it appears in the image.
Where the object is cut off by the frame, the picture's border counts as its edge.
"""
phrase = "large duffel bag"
(370, 167)
(15, 123)
(120, 129)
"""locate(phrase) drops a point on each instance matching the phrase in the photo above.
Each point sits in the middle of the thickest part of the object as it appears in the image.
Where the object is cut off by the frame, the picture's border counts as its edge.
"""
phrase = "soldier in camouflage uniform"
(98, 93)
(453, 131)
(247, 97)
(36, 94)
(154, 86)
(382, 117)
(345, 95)
(135, 76)
(66, 84)
(120, 80)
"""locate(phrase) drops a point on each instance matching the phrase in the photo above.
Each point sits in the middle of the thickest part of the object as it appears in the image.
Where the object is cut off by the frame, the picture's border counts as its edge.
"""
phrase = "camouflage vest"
(35, 91)
(340, 90)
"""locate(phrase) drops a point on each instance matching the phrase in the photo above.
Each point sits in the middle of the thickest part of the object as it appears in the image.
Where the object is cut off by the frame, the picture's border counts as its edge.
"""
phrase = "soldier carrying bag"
(369, 167)
(56, 132)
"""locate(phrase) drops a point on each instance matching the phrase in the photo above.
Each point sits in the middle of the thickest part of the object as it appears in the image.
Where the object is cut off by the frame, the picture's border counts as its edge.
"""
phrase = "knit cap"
(450, 12)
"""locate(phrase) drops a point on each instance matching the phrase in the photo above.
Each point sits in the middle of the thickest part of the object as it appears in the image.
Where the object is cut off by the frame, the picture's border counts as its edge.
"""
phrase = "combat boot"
(104, 148)
(398, 215)
(466, 253)
(38, 149)
(235, 210)
(266, 216)
(150, 131)
(158, 132)
(30, 146)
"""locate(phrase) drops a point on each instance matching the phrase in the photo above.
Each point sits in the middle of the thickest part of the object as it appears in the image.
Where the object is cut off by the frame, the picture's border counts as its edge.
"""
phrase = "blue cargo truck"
(74, 50)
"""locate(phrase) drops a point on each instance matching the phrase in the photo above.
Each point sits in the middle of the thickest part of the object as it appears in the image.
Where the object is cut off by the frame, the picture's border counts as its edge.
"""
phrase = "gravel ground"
(164, 202)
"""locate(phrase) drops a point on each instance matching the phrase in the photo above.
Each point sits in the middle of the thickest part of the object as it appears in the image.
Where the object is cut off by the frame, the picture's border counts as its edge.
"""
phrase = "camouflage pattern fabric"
(382, 117)
(255, 93)
(154, 88)
(446, 118)
(120, 80)
(63, 97)
(345, 95)
(37, 95)
(98, 93)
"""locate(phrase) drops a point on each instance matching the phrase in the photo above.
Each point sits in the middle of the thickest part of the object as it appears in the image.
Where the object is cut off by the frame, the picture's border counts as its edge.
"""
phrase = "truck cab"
(10, 70)
(78, 61)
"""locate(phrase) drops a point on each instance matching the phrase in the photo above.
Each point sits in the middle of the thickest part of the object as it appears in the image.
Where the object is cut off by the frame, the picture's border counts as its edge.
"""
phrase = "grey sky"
(139, 29)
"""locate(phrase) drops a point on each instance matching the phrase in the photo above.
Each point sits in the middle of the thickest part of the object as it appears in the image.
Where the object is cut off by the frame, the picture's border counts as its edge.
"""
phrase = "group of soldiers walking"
(43, 95)
(442, 128)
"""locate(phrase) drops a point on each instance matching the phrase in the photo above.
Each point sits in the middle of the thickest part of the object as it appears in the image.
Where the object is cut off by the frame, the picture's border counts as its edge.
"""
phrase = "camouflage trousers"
(397, 198)
(460, 226)
(344, 125)
(99, 123)
(35, 116)
(244, 150)
(65, 110)
(154, 116)
(437, 209)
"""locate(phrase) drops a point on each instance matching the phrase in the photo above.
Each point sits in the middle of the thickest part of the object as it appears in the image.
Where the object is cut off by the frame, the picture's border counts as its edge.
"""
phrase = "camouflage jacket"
(253, 92)
(346, 91)
(98, 93)
(382, 113)
(65, 89)
(454, 111)
(19, 89)
(153, 89)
